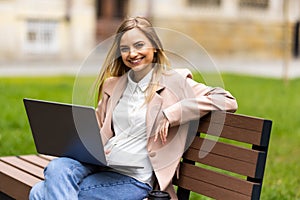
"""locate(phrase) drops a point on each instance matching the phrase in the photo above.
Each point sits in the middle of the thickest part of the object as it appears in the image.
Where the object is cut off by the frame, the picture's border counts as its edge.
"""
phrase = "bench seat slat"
(47, 157)
(230, 132)
(224, 149)
(208, 189)
(217, 178)
(34, 159)
(15, 182)
(222, 162)
(24, 166)
(236, 120)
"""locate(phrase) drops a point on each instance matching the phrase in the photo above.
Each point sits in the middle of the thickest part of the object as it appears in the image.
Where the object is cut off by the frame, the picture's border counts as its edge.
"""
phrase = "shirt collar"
(142, 84)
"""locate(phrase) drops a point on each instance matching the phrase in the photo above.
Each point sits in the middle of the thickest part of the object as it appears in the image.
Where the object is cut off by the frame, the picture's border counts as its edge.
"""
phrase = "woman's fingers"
(166, 129)
(162, 131)
(156, 136)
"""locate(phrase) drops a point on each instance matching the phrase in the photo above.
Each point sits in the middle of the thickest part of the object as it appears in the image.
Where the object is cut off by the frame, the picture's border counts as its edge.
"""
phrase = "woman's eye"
(124, 49)
(139, 45)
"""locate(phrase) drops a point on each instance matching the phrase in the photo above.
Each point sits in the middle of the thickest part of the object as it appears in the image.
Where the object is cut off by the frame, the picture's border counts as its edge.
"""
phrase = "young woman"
(144, 113)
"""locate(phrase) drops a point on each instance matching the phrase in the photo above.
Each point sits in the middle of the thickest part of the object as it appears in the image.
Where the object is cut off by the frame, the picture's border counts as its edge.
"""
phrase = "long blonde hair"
(114, 65)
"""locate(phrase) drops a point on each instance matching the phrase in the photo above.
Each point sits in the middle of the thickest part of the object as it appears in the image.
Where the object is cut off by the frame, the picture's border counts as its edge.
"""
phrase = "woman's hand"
(162, 130)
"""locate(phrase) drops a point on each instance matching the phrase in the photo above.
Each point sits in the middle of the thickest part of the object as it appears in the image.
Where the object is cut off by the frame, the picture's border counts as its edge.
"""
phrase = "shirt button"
(152, 154)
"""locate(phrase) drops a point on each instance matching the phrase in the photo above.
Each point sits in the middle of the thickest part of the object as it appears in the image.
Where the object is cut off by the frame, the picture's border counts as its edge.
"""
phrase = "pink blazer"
(180, 99)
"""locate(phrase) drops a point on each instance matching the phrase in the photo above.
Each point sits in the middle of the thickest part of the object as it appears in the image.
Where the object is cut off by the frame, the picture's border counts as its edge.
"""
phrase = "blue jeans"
(66, 178)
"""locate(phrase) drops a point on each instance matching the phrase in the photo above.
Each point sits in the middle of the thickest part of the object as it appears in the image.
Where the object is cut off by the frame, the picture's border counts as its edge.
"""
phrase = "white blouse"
(129, 145)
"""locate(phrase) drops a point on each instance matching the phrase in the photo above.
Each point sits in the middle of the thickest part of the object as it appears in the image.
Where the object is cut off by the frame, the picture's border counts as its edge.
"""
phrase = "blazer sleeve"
(203, 100)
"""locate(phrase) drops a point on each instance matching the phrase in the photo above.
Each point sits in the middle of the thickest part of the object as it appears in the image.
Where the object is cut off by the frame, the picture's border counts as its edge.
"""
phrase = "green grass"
(272, 99)
(262, 97)
(15, 135)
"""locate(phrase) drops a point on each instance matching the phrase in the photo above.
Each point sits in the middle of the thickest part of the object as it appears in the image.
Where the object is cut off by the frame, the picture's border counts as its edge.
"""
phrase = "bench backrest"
(231, 167)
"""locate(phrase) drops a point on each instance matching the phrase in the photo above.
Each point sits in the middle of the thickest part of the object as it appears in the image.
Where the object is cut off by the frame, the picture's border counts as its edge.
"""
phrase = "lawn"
(262, 97)
(15, 135)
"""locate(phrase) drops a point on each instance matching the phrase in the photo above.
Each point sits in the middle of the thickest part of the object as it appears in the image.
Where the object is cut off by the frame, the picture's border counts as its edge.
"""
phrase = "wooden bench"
(19, 173)
(232, 169)
(236, 161)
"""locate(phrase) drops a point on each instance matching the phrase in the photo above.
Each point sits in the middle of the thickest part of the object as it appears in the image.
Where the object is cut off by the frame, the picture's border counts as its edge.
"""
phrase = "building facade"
(70, 29)
(48, 29)
(242, 28)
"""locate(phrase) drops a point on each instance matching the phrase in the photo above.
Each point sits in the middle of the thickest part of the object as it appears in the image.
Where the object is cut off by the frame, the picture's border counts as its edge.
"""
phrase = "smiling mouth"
(136, 61)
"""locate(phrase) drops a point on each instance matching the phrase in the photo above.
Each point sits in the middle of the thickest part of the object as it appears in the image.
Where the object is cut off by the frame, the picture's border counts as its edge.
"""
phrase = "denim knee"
(59, 166)
(37, 191)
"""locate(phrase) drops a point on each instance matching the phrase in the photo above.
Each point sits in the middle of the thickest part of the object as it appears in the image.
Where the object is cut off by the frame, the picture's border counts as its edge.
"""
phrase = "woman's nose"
(133, 53)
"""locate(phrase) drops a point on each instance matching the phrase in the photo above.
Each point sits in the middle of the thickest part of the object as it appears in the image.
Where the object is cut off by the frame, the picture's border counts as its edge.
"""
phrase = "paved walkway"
(265, 68)
(38, 68)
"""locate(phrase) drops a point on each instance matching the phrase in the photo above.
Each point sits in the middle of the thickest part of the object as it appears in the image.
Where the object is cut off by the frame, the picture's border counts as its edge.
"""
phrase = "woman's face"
(136, 50)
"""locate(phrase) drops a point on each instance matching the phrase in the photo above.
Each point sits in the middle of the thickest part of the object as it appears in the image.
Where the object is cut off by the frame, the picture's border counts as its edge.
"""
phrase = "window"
(41, 37)
(204, 3)
(254, 4)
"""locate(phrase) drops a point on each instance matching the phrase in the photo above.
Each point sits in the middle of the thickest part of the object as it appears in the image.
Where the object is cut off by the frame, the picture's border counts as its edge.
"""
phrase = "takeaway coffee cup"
(158, 195)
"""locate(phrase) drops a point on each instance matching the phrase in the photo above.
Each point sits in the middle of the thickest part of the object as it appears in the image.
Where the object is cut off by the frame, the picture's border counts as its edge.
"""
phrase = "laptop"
(66, 130)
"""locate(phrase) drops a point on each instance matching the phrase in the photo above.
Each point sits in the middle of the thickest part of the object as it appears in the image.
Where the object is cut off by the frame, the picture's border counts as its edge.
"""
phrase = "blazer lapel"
(153, 109)
(118, 91)
(115, 95)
